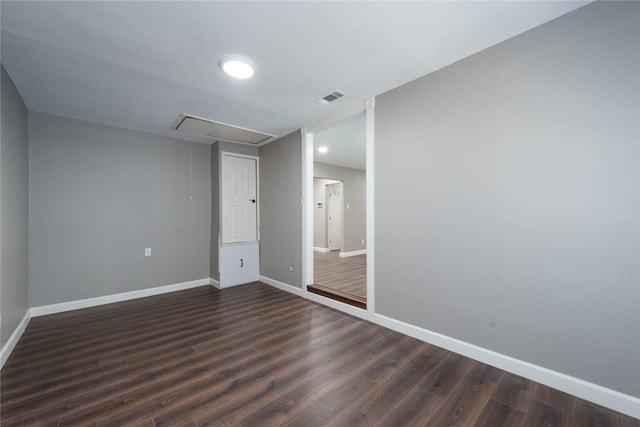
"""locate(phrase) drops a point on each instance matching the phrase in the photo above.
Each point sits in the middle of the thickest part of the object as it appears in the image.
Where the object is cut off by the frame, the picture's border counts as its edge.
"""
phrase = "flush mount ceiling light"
(237, 66)
(323, 149)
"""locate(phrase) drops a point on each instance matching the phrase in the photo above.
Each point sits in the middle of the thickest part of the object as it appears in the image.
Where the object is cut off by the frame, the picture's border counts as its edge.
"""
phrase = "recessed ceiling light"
(237, 66)
(323, 149)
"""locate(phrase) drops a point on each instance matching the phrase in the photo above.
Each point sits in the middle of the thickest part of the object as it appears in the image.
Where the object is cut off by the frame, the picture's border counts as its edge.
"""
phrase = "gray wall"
(216, 159)
(281, 209)
(355, 193)
(99, 195)
(506, 198)
(14, 203)
(320, 214)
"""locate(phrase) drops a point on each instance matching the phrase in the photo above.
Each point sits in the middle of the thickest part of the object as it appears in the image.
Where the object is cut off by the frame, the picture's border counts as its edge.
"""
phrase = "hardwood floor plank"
(274, 379)
(347, 274)
(447, 375)
(515, 391)
(398, 350)
(498, 414)
(465, 403)
(627, 421)
(40, 419)
(330, 396)
(588, 414)
(187, 384)
(15, 391)
(121, 401)
(408, 376)
(413, 410)
(344, 357)
(254, 355)
(555, 398)
(357, 419)
(486, 372)
(307, 405)
(543, 415)
(146, 423)
(242, 335)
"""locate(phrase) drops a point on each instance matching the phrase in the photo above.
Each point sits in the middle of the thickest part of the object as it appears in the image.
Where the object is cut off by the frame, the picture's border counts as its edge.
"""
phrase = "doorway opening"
(337, 274)
(338, 255)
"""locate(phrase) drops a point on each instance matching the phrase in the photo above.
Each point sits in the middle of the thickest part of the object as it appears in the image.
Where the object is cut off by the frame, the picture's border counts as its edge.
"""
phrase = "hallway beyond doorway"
(347, 274)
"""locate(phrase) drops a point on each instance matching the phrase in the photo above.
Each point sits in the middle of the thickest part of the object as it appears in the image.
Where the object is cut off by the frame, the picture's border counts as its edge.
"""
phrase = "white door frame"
(307, 204)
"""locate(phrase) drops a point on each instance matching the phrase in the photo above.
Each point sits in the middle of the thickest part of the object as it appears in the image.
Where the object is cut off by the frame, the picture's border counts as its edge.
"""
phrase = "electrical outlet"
(291, 268)
(363, 241)
(147, 251)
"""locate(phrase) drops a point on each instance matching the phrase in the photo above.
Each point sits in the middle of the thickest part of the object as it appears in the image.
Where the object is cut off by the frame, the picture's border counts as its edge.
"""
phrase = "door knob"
(253, 200)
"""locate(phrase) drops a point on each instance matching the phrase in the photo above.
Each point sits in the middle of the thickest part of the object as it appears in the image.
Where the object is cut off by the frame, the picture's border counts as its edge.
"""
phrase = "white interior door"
(334, 216)
(239, 198)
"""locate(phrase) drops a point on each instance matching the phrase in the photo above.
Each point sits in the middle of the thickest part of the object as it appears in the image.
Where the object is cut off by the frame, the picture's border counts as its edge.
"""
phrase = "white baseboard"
(603, 396)
(8, 347)
(317, 249)
(108, 299)
(595, 393)
(353, 253)
(282, 286)
(218, 285)
(612, 399)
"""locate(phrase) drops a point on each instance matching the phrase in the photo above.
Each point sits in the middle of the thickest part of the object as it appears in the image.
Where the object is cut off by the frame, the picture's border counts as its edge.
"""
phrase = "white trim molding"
(603, 396)
(353, 253)
(307, 206)
(282, 286)
(369, 107)
(213, 282)
(8, 347)
(317, 249)
(217, 284)
(108, 299)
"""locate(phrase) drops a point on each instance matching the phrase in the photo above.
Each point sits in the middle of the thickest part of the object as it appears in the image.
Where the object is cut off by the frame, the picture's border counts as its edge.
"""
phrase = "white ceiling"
(346, 144)
(140, 65)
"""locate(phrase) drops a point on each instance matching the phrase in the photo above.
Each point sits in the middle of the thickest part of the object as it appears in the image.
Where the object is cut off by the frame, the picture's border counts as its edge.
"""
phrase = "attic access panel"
(220, 130)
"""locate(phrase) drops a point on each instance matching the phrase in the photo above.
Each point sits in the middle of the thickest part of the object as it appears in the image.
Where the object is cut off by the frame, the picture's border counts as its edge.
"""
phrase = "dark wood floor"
(256, 356)
(347, 274)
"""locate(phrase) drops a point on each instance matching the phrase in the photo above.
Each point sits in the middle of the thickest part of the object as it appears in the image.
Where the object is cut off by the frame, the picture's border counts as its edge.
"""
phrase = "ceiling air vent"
(331, 97)
(220, 131)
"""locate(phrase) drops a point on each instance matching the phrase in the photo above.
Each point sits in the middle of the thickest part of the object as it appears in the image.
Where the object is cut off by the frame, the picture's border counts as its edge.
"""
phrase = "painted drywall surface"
(215, 212)
(319, 213)
(354, 194)
(14, 200)
(281, 209)
(506, 198)
(99, 195)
